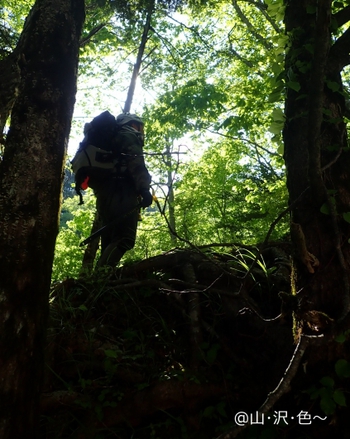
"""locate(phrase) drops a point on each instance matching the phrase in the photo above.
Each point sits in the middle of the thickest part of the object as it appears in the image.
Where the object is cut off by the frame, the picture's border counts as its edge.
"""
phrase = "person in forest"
(120, 196)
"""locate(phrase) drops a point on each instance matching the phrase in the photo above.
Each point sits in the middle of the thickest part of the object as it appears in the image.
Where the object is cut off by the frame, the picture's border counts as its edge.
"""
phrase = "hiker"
(110, 161)
(124, 192)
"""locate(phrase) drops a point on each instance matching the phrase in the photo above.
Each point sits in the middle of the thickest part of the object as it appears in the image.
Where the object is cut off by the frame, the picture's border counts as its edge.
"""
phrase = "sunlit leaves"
(68, 253)
(215, 86)
(13, 14)
(222, 199)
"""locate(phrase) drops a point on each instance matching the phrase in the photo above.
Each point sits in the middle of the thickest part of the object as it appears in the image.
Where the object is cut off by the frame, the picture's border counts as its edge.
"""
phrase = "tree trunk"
(317, 160)
(171, 195)
(92, 248)
(9, 79)
(31, 176)
(137, 65)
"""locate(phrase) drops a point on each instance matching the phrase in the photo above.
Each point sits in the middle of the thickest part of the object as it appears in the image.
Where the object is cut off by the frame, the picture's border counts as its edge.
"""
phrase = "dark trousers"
(117, 201)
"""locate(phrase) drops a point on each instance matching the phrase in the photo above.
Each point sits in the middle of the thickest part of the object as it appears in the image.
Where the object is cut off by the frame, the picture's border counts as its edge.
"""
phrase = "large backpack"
(96, 158)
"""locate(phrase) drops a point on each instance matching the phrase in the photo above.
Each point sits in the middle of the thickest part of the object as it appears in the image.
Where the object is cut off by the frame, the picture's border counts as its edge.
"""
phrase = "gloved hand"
(147, 198)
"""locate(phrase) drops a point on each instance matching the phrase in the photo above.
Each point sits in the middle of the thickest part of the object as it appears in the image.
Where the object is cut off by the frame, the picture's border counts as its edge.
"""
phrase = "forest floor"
(175, 346)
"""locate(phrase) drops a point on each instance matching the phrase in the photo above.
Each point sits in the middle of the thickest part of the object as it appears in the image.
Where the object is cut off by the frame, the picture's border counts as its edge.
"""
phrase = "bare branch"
(339, 55)
(263, 9)
(138, 62)
(250, 27)
(92, 33)
(238, 56)
(342, 16)
(282, 388)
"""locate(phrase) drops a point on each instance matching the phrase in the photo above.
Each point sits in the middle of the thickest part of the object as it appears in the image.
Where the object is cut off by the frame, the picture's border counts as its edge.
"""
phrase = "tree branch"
(250, 27)
(282, 388)
(138, 62)
(93, 32)
(342, 16)
(339, 55)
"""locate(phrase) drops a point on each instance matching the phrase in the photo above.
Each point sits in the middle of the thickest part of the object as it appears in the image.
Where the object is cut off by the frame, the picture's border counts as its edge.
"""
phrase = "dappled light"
(174, 219)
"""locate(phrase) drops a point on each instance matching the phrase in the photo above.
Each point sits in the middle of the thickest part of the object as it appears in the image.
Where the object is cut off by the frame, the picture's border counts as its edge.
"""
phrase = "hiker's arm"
(132, 146)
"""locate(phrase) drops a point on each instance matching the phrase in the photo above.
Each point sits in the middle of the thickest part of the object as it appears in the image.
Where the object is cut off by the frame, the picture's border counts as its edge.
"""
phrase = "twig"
(282, 387)
(93, 32)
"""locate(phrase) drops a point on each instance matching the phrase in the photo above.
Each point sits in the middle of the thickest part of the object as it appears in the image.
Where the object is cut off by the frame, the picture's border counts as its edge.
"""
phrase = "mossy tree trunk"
(317, 155)
(31, 175)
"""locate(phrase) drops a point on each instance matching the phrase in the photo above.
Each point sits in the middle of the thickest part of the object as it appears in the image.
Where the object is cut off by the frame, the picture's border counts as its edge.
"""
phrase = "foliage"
(13, 14)
(68, 254)
(224, 179)
(214, 117)
(225, 199)
(328, 393)
(119, 348)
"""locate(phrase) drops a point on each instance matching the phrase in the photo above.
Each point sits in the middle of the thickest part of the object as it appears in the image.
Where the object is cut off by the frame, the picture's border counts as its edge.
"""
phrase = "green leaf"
(276, 127)
(342, 368)
(110, 353)
(332, 85)
(314, 394)
(280, 149)
(294, 85)
(328, 406)
(339, 397)
(325, 209)
(278, 115)
(341, 338)
(346, 217)
(275, 96)
(327, 382)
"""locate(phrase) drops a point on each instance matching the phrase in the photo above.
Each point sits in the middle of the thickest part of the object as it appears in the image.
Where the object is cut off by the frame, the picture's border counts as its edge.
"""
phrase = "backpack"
(95, 159)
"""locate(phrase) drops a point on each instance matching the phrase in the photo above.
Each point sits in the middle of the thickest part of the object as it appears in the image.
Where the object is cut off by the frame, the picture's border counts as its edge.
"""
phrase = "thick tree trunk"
(317, 160)
(30, 190)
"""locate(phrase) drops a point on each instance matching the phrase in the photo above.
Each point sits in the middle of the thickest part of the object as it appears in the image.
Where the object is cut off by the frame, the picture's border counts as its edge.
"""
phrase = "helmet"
(124, 118)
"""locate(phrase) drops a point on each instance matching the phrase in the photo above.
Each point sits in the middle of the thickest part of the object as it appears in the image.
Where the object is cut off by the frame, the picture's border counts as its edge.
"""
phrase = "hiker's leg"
(121, 237)
(123, 240)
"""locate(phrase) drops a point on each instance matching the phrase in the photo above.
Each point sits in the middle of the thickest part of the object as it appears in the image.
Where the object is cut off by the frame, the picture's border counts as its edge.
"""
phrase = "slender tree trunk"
(31, 175)
(92, 247)
(171, 195)
(137, 65)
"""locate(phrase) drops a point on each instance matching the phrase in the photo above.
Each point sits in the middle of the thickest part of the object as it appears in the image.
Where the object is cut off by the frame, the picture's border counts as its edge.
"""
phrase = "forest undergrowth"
(173, 347)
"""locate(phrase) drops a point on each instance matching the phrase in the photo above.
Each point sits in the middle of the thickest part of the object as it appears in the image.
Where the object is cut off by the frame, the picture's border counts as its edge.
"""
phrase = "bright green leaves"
(276, 9)
(215, 83)
(13, 14)
(278, 119)
(68, 254)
